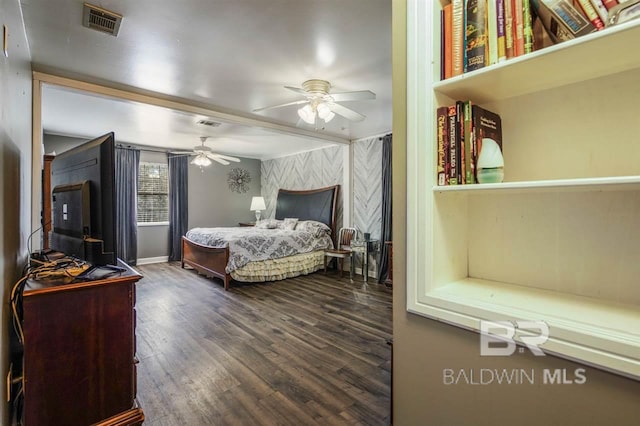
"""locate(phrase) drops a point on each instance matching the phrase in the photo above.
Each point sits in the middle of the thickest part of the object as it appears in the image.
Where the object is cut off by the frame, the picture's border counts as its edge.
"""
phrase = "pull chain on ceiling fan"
(203, 155)
(321, 104)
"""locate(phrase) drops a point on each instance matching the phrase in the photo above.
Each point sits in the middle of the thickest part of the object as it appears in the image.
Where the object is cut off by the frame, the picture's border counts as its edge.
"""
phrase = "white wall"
(15, 167)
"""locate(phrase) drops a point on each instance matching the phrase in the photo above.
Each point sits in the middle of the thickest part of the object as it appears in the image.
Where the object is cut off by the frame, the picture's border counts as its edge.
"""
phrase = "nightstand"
(365, 248)
(246, 224)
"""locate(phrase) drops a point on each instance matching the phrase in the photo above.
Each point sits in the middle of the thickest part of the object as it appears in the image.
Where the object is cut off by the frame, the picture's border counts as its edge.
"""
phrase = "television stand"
(79, 351)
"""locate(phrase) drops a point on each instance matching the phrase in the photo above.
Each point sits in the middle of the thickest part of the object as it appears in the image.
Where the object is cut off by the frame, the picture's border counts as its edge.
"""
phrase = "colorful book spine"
(610, 4)
(476, 35)
(561, 19)
(457, 37)
(460, 151)
(453, 149)
(442, 117)
(492, 32)
(468, 144)
(442, 45)
(527, 26)
(518, 27)
(448, 61)
(601, 10)
(502, 50)
(591, 14)
(508, 29)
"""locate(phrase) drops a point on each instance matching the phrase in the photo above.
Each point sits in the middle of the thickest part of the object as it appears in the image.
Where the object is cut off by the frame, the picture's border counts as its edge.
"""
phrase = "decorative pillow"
(289, 223)
(268, 224)
(314, 227)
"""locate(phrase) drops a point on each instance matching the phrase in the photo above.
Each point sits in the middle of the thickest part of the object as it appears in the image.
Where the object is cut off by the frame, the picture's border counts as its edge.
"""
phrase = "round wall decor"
(238, 180)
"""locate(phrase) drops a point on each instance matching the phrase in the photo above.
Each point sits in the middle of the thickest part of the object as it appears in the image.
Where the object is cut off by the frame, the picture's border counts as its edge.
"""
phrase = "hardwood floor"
(303, 351)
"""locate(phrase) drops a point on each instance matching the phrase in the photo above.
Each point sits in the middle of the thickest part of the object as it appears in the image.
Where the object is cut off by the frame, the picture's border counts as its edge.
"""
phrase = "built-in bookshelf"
(558, 240)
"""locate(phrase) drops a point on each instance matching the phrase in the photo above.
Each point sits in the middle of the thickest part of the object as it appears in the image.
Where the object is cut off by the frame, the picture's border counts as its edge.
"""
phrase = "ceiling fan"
(203, 155)
(320, 103)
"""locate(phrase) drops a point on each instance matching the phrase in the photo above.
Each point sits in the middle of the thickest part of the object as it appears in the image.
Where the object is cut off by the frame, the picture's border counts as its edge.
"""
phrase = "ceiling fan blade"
(182, 152)
(281, 105)
(347, 113)
(297, 90)
(219, 160)
(363, 95)
(226, 157)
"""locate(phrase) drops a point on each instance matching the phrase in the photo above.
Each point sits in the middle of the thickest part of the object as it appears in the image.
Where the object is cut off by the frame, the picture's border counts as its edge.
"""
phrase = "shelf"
(599, 54)
(616, 183)
(578, 325)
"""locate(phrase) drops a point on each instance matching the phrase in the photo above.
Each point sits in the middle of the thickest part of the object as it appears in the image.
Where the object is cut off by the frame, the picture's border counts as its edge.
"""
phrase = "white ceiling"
(232, 56)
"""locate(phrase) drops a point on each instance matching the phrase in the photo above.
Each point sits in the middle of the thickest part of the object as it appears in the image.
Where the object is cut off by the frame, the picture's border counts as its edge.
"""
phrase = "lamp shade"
(307, 114)
(325, 112)
(201, 160)
(257, 203)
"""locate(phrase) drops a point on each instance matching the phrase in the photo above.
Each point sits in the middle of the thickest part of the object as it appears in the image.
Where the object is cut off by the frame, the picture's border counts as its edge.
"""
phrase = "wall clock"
(238, 180)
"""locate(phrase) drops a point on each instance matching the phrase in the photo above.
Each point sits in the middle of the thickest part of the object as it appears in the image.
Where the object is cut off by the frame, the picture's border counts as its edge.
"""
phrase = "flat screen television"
(84, 202)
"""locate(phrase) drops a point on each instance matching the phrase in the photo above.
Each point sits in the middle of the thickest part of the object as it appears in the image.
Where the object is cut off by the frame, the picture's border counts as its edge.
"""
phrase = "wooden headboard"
(314, 204)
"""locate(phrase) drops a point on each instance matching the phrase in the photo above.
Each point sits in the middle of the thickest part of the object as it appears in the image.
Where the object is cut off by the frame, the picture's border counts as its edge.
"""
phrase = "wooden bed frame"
(316, 204)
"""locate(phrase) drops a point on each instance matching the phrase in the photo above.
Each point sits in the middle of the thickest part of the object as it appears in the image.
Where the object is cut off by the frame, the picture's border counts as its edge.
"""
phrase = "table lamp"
(257, 204)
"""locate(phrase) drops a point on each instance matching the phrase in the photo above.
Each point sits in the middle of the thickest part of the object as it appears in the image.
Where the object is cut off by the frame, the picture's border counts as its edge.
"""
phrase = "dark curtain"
(127, 161)
(385, 233)
(178, 208)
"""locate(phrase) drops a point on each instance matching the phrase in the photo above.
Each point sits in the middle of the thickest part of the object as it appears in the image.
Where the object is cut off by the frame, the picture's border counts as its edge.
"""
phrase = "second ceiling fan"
(203, 155)
(320, 103)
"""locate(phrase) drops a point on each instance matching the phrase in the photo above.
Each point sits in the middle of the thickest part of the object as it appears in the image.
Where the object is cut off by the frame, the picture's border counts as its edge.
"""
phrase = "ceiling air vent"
(209, 123)
(101, 19)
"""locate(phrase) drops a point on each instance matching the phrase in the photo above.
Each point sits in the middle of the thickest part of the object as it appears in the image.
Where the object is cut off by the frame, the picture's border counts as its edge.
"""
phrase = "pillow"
(289, 223)
(313, 227)
(268, 224)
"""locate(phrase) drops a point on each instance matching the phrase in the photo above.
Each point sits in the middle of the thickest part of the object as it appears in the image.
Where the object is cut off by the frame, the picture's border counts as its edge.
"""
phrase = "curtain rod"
(119, 145)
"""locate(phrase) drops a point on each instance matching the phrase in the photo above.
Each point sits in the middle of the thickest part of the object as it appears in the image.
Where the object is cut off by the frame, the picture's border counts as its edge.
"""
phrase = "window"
(153, 193)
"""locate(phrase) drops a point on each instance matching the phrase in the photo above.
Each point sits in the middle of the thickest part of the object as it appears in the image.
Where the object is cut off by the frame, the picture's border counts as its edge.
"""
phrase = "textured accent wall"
(367, 186)
(308, 170)
(367, 192)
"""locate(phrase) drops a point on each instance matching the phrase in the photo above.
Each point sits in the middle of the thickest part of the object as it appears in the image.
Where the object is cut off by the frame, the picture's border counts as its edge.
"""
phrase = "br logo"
(498, 338)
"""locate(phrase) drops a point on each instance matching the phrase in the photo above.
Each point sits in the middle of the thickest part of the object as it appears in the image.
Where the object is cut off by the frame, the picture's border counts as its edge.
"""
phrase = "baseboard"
(148, 260)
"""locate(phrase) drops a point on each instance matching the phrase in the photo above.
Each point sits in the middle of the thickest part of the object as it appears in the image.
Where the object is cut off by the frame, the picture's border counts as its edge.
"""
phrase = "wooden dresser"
(79, 352)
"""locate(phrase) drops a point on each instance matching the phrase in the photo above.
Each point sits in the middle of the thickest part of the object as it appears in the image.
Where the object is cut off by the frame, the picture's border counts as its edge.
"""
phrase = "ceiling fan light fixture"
(201, 160)
(324, 112)
(307, 114)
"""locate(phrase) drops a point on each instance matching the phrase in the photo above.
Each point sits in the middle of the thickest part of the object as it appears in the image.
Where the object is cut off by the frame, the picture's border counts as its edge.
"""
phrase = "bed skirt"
(279, 269)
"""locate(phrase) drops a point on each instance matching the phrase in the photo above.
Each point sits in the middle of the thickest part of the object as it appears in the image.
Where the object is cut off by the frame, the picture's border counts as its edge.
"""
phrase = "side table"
(365, 248)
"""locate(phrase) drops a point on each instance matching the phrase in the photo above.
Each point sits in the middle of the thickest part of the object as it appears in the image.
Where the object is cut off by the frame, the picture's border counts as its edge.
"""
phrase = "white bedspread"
(248, 244)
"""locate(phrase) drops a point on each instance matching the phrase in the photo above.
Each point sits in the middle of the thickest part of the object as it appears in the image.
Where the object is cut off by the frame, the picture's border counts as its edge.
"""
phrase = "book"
(508, 29)
(468, 144)
(518, 27)
(561, 19)
(457, 37)
(591, 14)
(448, 72)
(527, 26)
(475, 35)
(453, 150)
(602, 11)
(442, 145)
(442, 45)
(502, 49)
(460, 150)
(610, 4)
(485, 124)
(492, 32)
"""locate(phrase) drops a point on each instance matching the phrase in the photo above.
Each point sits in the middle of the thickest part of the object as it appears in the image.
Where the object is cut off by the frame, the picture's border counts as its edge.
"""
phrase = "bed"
(226, 260)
